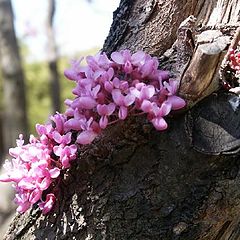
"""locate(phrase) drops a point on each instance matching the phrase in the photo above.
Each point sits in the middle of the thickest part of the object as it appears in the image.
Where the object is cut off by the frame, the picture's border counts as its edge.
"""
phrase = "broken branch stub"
(201, 77)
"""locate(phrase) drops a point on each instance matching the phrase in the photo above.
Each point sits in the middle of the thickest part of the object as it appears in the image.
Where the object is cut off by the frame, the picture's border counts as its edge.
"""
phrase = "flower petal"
(117, 96)
(138, 57)
(129, 99)
(146, 106)
(117, 57)
(159, 123)
(54, 172)
(110, 108)
(47, 205)
(23, 207)
(103, 122)
(147, 92)
(86, 137)
(35, 196)
(85, 102)
(122, 114)
(165, 108)
(57, 137)
(72, 124)
(177, 102)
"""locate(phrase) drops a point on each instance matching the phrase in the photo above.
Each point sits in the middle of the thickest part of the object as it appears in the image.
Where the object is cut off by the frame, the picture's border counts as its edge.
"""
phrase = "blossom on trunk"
(106, 91)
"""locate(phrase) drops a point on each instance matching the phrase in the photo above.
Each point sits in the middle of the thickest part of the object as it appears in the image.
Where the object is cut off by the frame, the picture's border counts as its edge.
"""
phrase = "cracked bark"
(137, 183)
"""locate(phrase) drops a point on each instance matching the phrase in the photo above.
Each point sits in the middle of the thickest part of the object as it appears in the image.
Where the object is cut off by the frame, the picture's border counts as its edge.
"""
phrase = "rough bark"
(53, 59)
(15, 120)
(137, 183)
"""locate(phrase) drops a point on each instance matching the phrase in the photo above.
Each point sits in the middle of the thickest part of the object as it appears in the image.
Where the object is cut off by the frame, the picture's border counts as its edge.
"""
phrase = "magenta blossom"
(125, 81)
(47, 205)
(107, 91)
(65, 154)
(32, 170)
(104, 111)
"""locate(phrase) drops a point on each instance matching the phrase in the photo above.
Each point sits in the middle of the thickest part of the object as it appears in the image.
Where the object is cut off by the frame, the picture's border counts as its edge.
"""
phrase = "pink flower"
(74, 72)
(65, 154)
(158, 113)
(149, 68)
(104, 111)
(123, 102)
(47, 205)
(125, 57)
(62, 139)
(171, 87)
(88, 99)
(31, 170)
(20, 141)
(159, 123)
(42, 129)
(128, 61)
(35, 196)
(98, 61)
(85, 102)
(76, 122)
(175, 101)
(22, 199)
(121, 57)
(86, 137)
(59, 120)
(73, 124)
(89, 132)
(15, 171)
(142, 93)
(130, 84)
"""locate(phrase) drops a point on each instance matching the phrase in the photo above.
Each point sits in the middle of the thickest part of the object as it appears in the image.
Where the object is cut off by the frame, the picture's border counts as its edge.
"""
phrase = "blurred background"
(37, 41)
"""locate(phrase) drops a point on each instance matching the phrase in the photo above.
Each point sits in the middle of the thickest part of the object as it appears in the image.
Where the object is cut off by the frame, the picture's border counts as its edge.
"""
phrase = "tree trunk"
(52, 59)
(14, 103)
(137, 183)
(1, 124)
(1, 138)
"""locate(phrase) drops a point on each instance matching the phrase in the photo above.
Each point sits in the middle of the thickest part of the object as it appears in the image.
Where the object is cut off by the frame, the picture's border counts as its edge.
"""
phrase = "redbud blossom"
(106, 91)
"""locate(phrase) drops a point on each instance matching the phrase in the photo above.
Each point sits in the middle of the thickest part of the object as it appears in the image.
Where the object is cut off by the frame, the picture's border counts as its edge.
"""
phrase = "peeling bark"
(137, 183)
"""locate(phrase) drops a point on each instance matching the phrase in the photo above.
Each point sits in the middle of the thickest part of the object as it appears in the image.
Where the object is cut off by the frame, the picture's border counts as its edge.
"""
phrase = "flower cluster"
(110, 90)
(233, 84)
(234, 60)
(33, 168)
(32, 172)
(107, 91)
